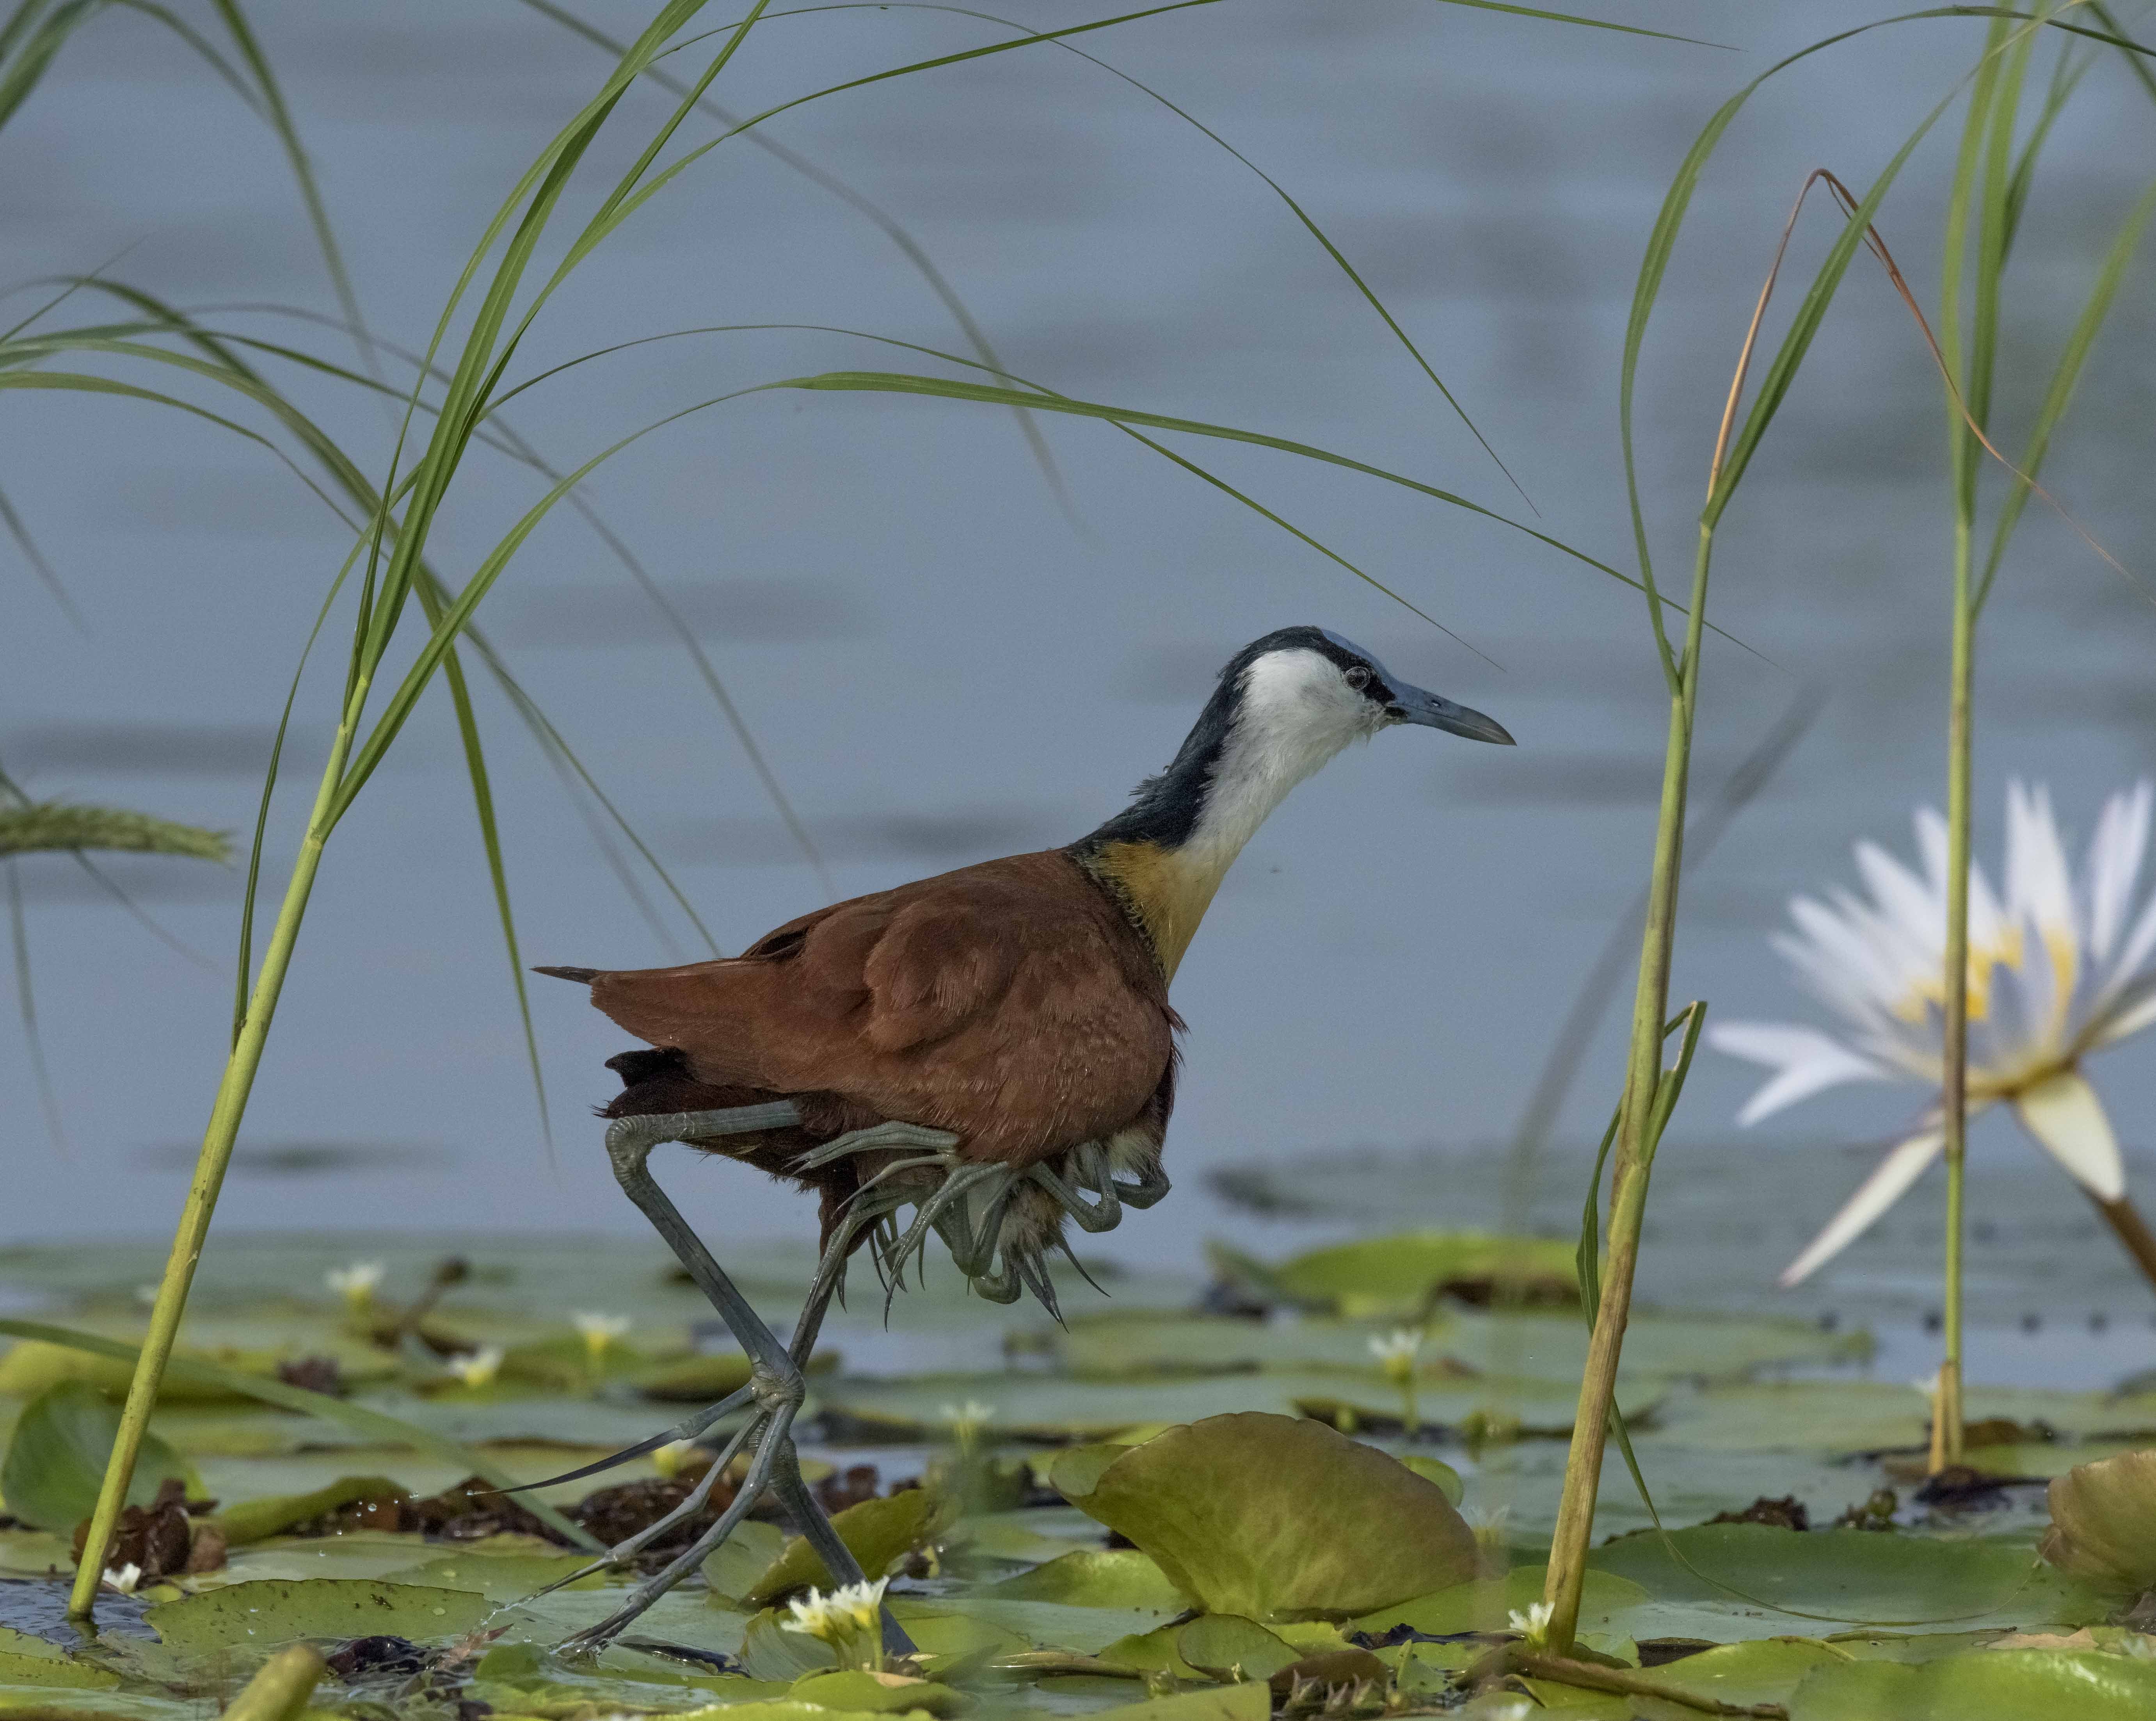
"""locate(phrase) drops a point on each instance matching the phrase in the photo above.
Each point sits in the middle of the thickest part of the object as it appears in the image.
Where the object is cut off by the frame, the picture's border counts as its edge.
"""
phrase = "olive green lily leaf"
(253, 1520)
(1278, 1517)
(876, 1532)
(373, 1424)
(1091, 1577)
(56, 1459)
(852, 1691)
(1250, 1702)
(524, 1679)
(281, 1610)
(1606, 1606)
(1223, 1647)
(1856, 1577)
(1982, 1685)
(2103, 1522)
(25, 1660)
(1402, 1275)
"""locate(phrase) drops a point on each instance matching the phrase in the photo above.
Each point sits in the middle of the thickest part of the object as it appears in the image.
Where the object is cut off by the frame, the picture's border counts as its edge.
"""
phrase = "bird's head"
(1284, 705)
(1304, 689)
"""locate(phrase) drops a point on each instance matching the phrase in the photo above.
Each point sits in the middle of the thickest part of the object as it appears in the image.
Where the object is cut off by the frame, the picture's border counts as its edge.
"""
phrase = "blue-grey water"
(941, 665)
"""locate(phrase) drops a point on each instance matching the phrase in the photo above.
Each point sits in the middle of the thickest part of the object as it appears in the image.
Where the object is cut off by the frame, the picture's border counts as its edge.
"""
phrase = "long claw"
(688, 1429)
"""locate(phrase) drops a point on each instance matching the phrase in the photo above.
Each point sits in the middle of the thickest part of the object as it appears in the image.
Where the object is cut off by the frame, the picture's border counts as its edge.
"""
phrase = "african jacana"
(993, 1048)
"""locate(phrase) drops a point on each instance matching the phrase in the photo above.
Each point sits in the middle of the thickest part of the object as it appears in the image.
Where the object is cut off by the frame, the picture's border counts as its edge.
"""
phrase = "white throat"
(1295, 713)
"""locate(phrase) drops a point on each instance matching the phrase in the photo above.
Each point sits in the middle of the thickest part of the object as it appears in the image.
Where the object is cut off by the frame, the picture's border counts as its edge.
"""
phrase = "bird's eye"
(1359, 678)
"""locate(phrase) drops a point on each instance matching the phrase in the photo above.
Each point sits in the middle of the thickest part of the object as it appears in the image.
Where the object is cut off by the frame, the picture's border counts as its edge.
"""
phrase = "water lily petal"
(1807, 1060)
(2068, 1120)
(2038, 888)
(2115, 854)
(2131, 1011)
(1902, 1166)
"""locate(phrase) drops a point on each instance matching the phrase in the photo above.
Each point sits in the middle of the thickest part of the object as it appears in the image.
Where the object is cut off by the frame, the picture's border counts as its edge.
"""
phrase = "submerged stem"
(1638, 1133)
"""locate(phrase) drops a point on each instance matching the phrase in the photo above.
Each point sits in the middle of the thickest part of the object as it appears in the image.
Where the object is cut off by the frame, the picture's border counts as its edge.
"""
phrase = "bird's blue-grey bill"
(1413, 705)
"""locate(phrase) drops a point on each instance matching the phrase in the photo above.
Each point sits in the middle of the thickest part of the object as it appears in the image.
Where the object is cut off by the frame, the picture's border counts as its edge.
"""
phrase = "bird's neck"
(1164, 855)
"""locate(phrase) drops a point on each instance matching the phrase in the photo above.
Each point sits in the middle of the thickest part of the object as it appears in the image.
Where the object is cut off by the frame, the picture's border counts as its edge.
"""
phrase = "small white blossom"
(967, 1419)
(2059, 968)
(477, 1368)
(1533, 1625)
(849, 1618)
(355, 1283)
(123, 1578)
(599, 1330)
(1396, 1352)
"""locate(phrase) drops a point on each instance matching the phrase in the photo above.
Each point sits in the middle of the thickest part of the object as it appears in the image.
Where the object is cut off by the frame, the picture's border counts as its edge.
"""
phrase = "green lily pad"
(1043, 1625)
(699, 1380)
(753, 1549)
(1841, 1578)
(55, 1460)
(1109, 1577)
(769, 1650)
(253, 1520)
(2103, 1522)
(1764, 1670)
(269, 1613)
(1487, 1604)
(1228, 1648)
(1272, 1516)
(1229, 1703)
(1436, 1470)
(1404, 1273)
(1982, 1685)
(877, 1533)
(857, 1691)
(32, 1366)
(523, 1678)
(500, 1576)
(19, 1669)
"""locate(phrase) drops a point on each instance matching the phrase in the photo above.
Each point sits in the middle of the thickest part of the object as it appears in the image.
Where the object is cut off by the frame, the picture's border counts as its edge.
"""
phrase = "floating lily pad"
(1982, 1685)
(1109, 1577)
(753, 1549)
(523, 1678)
(1487, 1604)
(1275, 1517)
(500, 1576)
(2103, 1522)
(876, 1533)
(1840, 1578)
(1230, 1703)
(56, 1458)
(253, 1520)
(1405, 1273)
(32, 1366)
(269, 1613)
(1222, 1646)
(56, 1671)
(857, 1691)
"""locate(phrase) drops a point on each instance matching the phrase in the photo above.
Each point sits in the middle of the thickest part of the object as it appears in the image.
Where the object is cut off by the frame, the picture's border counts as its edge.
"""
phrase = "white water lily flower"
(1396, 1352)
(2058, 969)
(850, 1615)
(599, 1330)
(355, 1283)
(477, 1368)
(1534, 1624)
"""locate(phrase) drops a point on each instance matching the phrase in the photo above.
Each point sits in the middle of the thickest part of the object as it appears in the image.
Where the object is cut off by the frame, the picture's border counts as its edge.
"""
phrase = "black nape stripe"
(1166, 807)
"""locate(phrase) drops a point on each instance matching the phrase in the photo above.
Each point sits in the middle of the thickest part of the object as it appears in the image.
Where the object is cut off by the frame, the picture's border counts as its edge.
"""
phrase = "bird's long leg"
(631, 1546)
(775, 1379)
(807, 1515)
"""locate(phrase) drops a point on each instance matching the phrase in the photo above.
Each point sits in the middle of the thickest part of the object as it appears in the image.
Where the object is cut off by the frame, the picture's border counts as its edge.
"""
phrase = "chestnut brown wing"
(1010, 1003)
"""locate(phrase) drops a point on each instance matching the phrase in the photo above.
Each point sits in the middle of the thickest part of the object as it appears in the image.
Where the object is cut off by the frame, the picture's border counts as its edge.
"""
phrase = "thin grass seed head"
(2060, 967)
(355, 1283)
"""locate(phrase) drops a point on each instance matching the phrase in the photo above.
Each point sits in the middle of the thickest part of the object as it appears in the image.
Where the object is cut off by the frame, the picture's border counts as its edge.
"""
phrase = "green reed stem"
(1953, 1099)
(1639, 1134)
(231, 1106)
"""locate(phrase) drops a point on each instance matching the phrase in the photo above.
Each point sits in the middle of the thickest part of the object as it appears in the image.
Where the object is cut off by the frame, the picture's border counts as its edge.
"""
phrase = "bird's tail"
(582, 975)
